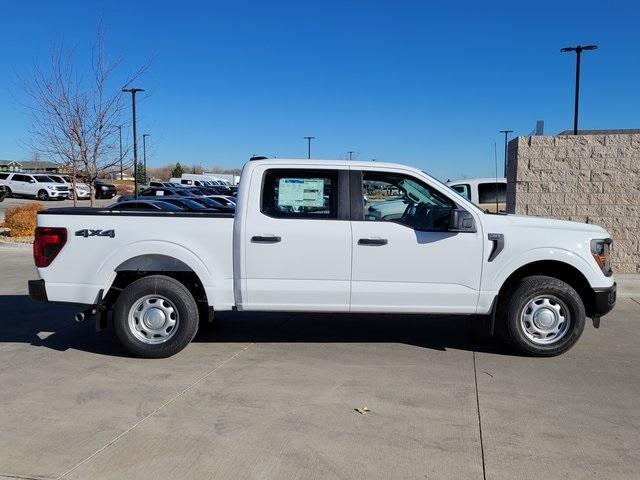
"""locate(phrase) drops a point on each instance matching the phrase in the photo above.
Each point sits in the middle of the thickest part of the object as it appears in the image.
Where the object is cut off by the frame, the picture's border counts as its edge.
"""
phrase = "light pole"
(133, 92)
(350, 153)
(120, 131)
(308, 139)
(506, 135)
(579, 49)
(144, 153)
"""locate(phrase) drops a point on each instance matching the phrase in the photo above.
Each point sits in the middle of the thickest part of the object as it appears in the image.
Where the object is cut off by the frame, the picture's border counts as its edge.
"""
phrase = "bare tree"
(75, 117)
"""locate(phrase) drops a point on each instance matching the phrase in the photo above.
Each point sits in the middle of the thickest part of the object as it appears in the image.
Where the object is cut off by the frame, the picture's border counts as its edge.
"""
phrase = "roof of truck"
(330, 162)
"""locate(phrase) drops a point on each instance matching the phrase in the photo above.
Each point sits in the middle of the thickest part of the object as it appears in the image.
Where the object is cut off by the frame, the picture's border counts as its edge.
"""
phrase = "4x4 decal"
(95, 233)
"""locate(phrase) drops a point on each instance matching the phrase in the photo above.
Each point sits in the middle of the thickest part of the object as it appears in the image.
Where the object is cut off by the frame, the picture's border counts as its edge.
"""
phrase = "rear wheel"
(43, 195)
(155, 317)
(8, 194)
(543, 316)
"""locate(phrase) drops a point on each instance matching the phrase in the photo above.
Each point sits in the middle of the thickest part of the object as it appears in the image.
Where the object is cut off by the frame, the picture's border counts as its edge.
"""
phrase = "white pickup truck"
(303, 238)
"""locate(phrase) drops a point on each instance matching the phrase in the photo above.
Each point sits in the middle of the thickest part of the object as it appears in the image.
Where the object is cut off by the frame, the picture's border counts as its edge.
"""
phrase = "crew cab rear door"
(404, 257)
(296, 239)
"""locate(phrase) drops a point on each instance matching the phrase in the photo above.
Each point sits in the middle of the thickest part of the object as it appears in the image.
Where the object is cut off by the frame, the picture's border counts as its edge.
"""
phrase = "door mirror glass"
(461, 221)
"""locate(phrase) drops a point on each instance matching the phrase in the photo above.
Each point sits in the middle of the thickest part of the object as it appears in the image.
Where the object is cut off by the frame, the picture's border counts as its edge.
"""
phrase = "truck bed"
(100, 243)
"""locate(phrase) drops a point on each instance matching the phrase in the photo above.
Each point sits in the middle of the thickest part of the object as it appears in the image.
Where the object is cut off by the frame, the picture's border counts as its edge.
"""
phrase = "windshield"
(192, 204)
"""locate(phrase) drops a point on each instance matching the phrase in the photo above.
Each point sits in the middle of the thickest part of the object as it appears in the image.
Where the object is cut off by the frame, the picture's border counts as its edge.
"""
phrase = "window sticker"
(301, 192)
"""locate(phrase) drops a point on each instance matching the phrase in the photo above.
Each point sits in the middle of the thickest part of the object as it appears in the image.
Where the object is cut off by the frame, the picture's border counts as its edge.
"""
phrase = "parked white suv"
(82, 190)
(34, 185)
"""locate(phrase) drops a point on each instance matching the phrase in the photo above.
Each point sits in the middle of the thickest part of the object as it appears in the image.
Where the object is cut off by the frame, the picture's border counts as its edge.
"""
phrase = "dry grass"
(21, 221)
(124, 188)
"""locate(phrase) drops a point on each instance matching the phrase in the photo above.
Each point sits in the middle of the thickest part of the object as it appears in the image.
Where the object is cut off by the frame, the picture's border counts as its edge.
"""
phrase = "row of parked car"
(51, 186)
(165, 196)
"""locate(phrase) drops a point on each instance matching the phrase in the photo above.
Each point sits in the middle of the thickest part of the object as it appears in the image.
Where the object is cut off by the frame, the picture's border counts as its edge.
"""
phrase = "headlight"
(601, 251)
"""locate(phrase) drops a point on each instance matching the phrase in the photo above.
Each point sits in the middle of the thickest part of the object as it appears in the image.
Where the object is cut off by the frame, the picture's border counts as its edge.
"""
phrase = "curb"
(628, 284)
(15, 246)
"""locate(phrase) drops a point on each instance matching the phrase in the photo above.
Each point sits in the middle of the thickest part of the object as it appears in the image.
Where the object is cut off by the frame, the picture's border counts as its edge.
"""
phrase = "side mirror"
(32, 181)
(461, 221)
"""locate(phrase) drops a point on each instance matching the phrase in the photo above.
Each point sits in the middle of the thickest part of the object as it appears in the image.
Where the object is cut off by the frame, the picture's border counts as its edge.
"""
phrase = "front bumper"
(37, 290)
(58, 194)
(604, 299)
(107, 193)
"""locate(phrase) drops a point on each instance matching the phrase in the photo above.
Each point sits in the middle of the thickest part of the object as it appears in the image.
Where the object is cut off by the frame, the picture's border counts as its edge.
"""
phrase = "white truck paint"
(341, 260)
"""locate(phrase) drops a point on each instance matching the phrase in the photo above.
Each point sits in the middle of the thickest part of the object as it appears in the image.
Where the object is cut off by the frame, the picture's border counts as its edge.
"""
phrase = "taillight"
(47, 244)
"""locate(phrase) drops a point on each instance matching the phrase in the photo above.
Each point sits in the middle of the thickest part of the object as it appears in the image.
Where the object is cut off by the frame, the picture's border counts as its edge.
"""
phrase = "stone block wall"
(584, 178)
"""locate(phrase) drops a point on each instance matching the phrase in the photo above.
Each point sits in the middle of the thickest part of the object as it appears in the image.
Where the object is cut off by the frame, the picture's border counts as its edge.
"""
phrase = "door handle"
(373, 241)
(265, 239)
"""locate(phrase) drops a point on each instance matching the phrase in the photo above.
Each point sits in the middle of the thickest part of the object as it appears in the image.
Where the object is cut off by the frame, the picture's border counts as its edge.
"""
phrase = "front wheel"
(43, 195)
(155, 317)
(544, 316)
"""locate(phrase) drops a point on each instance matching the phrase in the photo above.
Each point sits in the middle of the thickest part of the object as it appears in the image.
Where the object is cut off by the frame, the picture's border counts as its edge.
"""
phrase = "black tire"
(530, 291)
(178, 295)
(8, 195)
(43, 195)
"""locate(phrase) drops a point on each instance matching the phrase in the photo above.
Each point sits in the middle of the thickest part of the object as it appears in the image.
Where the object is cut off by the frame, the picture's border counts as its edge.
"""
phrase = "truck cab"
(333, 236)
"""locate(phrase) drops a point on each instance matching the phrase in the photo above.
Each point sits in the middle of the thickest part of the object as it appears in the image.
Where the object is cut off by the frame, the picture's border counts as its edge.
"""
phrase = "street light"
(144, 153)
(308, 139)
(506, 134)
(133, 92)
(578, 49)
(120, 131)
(350, 153)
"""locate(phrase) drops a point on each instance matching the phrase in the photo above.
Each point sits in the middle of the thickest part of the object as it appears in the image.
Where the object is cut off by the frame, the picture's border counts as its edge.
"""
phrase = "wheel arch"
(147, 264)
(556, 269)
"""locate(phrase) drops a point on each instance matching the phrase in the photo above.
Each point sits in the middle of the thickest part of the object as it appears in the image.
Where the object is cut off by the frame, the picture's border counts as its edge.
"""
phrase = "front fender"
(593, 275)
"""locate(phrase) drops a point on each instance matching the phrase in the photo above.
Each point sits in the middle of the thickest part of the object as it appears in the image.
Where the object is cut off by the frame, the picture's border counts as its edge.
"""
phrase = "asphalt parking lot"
(273, 396)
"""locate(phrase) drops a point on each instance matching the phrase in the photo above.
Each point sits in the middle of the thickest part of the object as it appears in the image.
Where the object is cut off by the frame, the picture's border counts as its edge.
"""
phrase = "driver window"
(391, 197)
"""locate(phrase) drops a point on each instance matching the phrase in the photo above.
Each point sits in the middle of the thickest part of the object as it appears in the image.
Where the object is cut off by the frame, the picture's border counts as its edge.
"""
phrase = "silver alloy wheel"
(545, 320)
(153, 319)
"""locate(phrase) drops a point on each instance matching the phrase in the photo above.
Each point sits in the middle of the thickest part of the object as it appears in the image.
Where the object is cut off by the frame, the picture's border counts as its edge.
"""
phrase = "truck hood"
(547, 223)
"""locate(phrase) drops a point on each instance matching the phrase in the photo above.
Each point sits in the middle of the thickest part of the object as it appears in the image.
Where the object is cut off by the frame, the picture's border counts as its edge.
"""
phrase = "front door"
(297, 240)
(404, 259)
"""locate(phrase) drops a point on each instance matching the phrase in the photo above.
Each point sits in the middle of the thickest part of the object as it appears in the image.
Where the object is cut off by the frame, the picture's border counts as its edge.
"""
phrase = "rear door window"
(492, 192)
(300, 193)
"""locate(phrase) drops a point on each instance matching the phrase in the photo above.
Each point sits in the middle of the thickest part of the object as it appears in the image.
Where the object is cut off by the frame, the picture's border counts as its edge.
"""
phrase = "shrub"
(124, 188)
(21, 221)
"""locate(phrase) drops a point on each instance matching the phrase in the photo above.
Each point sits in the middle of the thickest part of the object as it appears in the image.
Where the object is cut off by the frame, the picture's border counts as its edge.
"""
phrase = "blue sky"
(425, 83)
